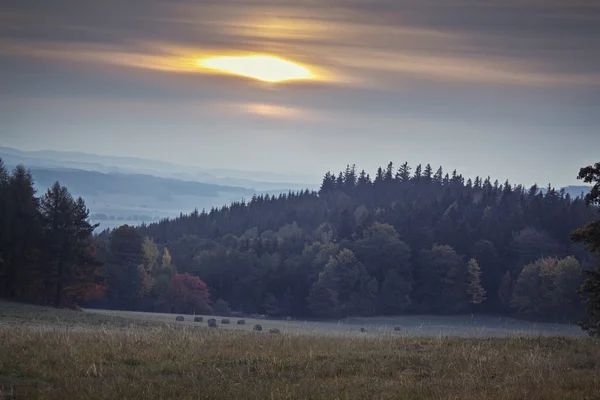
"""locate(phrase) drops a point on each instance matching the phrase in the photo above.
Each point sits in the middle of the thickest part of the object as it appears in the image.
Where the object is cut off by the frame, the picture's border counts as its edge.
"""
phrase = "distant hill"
(132, 165)
(577, 191)
(117, 198)
(91, 183)
(573, 191)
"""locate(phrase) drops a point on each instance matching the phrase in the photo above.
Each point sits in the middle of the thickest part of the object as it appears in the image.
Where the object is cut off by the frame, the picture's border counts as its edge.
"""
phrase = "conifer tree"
(403, 174)
(67, 235)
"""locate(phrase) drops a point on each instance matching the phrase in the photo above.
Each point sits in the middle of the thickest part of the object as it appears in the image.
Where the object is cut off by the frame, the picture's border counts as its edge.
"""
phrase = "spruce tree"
(66, 234)
(403, 174)
(20, 276)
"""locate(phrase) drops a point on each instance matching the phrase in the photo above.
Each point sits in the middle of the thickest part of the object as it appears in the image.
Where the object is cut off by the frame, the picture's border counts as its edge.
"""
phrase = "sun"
(261, 67)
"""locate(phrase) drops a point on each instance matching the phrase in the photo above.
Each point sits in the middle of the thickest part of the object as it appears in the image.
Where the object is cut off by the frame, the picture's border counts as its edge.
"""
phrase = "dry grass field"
(58, 354)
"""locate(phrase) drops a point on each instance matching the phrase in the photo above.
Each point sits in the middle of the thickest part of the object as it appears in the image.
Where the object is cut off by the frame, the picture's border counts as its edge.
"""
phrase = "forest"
(419, 241)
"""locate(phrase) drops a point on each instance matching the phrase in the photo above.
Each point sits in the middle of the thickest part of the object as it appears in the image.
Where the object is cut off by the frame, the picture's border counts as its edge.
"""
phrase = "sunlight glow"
(261, 67)
(272, 111)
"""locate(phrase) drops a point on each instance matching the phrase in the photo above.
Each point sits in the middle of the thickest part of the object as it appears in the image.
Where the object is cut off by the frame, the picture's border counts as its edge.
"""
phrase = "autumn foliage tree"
(87, 283)
(188, 294)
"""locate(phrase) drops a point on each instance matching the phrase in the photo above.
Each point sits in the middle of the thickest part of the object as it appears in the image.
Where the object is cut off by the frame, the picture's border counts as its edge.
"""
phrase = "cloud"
(368, 44)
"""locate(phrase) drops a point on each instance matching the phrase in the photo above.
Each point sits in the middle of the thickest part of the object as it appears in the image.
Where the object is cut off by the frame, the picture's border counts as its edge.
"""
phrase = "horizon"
(502, 90)
(258, 180)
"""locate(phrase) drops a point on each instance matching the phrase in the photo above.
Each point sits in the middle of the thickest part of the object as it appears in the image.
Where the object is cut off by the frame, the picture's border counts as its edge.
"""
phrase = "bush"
(188, 294)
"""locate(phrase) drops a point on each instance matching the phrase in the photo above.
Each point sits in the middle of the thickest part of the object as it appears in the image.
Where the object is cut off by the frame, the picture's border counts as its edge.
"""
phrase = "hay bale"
(363, 330)
(212, 323)
(198, 319)
(241, 322)
(274, 330)
(225, 321)
(257, 328)
(76, 307)
(179, 318)
(397, 329)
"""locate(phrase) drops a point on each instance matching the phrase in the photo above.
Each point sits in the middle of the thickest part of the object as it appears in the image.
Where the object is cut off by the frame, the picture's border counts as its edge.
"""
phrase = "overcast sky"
(509, 88)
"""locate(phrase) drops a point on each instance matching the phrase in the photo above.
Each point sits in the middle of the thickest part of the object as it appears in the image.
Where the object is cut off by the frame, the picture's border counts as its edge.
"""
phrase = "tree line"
(402, 242)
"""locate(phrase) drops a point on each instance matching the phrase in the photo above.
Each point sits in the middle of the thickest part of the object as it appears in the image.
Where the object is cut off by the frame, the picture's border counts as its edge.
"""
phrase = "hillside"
(403, 242)
(117, 198)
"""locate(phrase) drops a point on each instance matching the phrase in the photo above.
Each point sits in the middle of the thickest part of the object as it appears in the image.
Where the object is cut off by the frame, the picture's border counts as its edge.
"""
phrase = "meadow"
(59, 354)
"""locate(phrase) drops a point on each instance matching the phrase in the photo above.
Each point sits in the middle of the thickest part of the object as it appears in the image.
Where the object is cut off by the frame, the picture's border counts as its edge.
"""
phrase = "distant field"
(59, 354)
(412, 326)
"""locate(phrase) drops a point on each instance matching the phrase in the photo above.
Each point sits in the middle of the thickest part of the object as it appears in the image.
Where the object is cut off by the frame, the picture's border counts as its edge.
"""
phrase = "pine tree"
(418, 174)
(350, 178)
(67, 235)
(328, 183)
(475, 291)
(427, 173)
(389, 172)
(403, 174)
(20, 277)
(379, 177)
(439, 175)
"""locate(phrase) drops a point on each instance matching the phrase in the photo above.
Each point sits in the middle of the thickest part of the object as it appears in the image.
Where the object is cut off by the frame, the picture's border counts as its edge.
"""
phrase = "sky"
(508, 89)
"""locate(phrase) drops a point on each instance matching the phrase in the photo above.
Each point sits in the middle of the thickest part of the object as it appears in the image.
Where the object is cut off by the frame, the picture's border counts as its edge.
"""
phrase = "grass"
(133, 359)
(412, 325)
